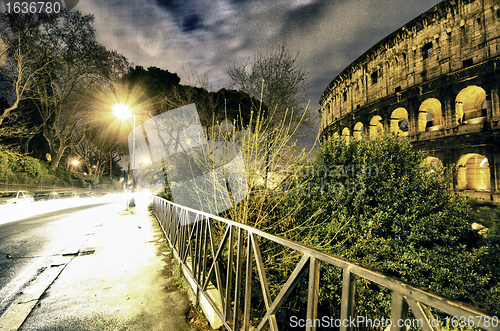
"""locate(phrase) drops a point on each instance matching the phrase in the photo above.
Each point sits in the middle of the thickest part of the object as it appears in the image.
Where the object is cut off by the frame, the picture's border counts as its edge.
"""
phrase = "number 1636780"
(33, 7)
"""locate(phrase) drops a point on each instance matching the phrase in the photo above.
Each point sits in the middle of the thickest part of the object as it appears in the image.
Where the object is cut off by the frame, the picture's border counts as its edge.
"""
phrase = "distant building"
(436, 81)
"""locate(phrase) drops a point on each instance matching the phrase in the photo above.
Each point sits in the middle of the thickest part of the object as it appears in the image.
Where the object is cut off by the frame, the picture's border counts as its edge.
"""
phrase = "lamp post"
(124, 112)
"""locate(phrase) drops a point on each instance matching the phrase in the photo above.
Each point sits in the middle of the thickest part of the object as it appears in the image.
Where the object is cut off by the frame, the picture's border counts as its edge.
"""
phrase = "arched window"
(470, 106)
(376, 127)
(473, 173)
(359, 131)
(430, 116)
(399, 122)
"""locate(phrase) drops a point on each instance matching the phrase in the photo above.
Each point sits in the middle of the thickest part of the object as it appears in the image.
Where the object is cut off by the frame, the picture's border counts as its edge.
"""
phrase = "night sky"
(200, 39)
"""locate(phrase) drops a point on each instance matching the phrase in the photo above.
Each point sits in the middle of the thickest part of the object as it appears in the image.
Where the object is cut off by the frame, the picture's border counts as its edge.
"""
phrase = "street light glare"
(122, 111)
(74, 162)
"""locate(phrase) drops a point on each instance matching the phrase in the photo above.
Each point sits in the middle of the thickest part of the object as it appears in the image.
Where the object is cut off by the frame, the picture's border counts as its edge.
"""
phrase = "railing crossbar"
(422, 313)
(190, 230)
(263, 281)
(205, 247)
(214, 265)
(348, 291)
(237, 285)
(290, 284)
(248, 286)
(313, 292)
(197, 249)
(229, 273)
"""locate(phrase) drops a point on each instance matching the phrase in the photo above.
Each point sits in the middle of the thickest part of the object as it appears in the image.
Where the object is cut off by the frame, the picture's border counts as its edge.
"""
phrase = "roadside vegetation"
(376, 203)
(20, 171)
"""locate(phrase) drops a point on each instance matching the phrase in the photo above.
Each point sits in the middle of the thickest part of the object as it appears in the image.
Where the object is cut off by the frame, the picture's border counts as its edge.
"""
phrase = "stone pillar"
(412, 110)
(495, 170)
(493, 104)
(448, 113)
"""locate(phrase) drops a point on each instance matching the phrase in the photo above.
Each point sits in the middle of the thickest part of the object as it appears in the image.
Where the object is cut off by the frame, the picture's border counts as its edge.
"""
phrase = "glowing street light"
(75, 162)
(123, 112)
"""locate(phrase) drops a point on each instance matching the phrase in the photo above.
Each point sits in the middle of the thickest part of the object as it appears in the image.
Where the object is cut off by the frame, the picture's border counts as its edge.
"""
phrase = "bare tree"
(97, 154)
(277, 81)
(20, 63)
(63, 90)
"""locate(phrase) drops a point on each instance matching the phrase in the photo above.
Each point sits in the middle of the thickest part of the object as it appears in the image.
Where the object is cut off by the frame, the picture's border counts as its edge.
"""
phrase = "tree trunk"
(57, 157)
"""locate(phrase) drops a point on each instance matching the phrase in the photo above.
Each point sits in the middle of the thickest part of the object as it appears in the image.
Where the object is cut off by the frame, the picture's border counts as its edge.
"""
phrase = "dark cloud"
(183, 13)
(191, 22)
(239, 2)
(306, 16)
(171, 5)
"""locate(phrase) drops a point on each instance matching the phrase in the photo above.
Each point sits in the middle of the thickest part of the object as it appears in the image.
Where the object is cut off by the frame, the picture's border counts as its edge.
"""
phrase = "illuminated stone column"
(495, 171)
(493, 104)
(462, 178)
(448, 113)
(412, 116)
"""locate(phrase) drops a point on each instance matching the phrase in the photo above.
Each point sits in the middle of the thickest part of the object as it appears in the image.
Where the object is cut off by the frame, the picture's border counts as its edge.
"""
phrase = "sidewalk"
(121, 279)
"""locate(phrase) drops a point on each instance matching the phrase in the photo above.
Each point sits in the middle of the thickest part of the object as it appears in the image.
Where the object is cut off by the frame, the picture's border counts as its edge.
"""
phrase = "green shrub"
(31, 166)
(4, 165)
(375, 203)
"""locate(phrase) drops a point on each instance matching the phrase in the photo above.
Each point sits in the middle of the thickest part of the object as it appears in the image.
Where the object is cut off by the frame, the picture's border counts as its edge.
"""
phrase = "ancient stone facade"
(435, 81)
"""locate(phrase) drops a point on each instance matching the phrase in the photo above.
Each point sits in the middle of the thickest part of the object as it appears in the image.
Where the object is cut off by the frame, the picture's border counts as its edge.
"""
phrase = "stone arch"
(376, 127)
(399, 122)
(430, 116)
(470, 105)
(473, 173)
(359, 131)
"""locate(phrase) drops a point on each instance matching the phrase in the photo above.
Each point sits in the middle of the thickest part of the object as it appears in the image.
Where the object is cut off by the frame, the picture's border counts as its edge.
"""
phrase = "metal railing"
(190, 234)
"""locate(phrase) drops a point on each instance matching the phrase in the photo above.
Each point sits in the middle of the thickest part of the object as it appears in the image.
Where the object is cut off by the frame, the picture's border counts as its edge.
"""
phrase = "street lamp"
(73, 164)
(123, 112)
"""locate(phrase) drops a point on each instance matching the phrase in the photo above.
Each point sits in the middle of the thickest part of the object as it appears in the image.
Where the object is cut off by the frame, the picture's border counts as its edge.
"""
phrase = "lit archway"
(470, 105)
(359, 131)
(473, 173)
(345, 134)
(399, 122)
(430, 116)
(376, 127)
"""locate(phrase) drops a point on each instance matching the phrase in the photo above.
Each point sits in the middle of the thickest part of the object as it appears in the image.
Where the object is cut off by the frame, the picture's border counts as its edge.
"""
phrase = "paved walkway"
(121, 279)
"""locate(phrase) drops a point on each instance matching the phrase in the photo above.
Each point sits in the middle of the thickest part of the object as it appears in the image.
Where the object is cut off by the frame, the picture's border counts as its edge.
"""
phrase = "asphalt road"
(28, 246)
(96, 267)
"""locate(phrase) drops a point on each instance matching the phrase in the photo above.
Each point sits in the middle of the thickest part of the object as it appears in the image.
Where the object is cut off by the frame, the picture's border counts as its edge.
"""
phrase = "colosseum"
(436, 82)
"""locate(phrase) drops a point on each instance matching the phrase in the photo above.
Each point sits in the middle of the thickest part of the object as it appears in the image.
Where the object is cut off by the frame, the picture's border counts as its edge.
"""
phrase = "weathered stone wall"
(436, 81)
